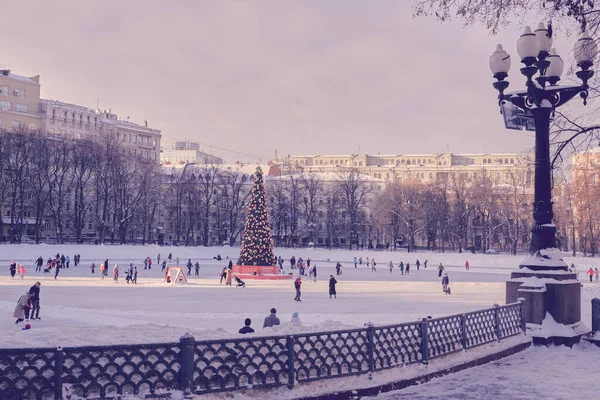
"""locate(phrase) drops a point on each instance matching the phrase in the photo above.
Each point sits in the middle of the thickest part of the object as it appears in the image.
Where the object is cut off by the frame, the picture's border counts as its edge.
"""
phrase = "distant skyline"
(246, 78)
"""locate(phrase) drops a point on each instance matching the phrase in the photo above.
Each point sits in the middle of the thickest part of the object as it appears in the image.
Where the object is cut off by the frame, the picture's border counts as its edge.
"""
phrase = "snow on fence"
(224, 365)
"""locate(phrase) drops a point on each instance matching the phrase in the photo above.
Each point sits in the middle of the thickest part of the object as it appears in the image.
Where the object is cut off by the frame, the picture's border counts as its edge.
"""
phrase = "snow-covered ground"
(79, 308)
(555, 373)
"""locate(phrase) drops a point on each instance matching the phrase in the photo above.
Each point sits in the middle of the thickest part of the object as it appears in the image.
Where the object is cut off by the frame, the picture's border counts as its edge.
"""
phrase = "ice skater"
(116, 274)
(446, 284)
(22, 304)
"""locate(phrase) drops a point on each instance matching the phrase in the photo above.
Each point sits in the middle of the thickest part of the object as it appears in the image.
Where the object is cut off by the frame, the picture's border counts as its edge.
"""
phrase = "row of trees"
(74, 184)
(83, 190)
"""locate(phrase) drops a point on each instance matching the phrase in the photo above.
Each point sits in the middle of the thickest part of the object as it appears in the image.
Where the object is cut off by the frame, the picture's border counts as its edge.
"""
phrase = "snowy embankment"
(81, 309)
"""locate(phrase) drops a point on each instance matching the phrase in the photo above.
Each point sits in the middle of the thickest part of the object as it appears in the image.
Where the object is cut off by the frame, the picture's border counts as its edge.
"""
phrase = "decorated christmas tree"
(257, 247)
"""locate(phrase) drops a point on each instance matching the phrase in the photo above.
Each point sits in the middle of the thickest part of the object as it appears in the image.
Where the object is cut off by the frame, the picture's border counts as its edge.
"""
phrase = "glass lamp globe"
(528, 45)
(542, 35)
(500, 61)
(585, 49)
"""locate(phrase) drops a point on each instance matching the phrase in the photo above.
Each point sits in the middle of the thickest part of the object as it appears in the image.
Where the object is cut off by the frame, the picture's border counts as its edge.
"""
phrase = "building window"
(512, 161)
(484, 161)
(20, 93)
(0, 121)
(21, 108)
(4, 90)
(5, 105)
(47, 224)
(16, 124)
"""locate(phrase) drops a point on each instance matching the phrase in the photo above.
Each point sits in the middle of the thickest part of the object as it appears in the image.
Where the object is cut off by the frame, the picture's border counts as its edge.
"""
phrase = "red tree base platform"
(259, 272)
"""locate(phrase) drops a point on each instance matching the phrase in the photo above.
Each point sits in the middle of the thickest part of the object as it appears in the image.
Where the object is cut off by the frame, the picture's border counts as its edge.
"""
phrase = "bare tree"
(312, 191)
(16, 162)
(83, 171)
(208, 178)
(353, 190)
(39, 180)
(233, 198)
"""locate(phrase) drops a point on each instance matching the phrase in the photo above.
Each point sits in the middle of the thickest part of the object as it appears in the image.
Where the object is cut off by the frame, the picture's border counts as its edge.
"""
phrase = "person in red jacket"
(297, 284)
(591, 273)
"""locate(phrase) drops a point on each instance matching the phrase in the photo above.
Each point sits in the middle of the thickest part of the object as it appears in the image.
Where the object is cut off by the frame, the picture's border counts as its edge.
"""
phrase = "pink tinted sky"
(250, 77)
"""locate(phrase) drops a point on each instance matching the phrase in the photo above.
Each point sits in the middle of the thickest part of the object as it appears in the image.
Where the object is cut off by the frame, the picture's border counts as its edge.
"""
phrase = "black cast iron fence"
(224, 365)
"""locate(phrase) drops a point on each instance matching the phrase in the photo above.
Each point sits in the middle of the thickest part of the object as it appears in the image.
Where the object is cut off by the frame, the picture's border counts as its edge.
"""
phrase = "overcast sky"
(302, 77)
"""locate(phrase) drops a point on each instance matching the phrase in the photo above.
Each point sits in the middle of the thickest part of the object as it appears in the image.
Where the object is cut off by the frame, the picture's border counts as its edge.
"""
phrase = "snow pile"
(551, 328)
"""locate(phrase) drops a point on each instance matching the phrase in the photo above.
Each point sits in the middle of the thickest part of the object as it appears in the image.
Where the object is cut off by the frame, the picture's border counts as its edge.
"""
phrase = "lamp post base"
(552, 294)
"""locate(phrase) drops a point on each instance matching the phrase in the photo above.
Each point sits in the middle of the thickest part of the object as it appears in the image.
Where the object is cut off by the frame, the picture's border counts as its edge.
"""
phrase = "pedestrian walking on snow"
(332, 283)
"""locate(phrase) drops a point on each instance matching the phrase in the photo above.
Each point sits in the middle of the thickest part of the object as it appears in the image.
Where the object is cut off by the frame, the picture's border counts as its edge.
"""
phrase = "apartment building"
(186, 152)
(71, 121)
(19, 101)
(424, 167)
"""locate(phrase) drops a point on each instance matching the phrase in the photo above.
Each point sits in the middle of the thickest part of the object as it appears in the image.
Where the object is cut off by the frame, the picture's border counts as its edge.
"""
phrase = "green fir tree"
(257, 246)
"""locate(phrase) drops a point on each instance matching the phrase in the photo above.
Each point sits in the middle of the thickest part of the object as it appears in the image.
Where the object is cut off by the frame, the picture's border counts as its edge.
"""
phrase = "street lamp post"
(541, 98)
(556, 291)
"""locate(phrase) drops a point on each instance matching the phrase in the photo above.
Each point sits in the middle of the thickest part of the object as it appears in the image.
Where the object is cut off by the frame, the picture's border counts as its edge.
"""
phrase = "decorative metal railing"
(224, 365)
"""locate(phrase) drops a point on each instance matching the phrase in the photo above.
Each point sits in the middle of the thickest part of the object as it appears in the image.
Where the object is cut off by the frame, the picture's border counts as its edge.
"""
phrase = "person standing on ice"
(467, 265)
(391, 267)
(440, 270)
(418, 264)
(425, 264)
(189, 266)
(102, 268)
(106, 264)
(368, 262)
(297, 284)
(445, 283)
(93, 267)
(292, 262)
(149, 263)
(134, 277)
(13, 269)
(271, 319)
(116, 273)
(67, 261)
(360, 260)
(197, 267)
(591, 274)
(163, 266)
(338, 267)
(407, 269)
(230, 264)
(146, 263)
(332, 283)
(177, 261)
(374, 265)
(158, 258)
(170, 257)
(63, 260)
(34, 296)
(401, 266)
(355, 263)
(314, 270)
(597, 274)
